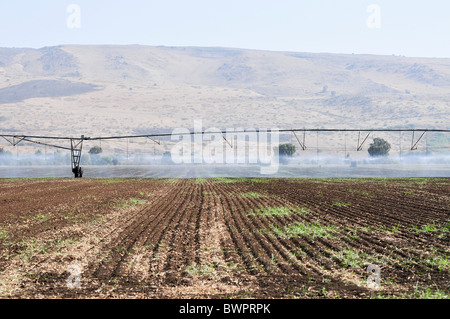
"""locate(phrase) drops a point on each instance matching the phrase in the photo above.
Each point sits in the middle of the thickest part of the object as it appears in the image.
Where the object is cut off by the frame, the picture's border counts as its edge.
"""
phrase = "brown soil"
(224, 238)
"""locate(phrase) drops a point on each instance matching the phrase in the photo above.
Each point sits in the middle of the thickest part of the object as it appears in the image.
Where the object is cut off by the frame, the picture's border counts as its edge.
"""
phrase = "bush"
(95, 150)
(286, 149)
(379, 147)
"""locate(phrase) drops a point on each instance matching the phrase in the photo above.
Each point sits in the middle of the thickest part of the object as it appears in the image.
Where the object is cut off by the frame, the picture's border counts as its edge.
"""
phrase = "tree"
(95, 150)
(286, 150)
(379, 147)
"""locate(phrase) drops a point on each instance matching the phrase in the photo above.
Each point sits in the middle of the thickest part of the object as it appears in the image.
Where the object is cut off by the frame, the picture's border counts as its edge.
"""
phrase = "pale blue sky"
(408, 27)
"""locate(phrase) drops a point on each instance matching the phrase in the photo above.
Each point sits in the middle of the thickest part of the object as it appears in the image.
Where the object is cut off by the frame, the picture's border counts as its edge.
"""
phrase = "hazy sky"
(400, 27)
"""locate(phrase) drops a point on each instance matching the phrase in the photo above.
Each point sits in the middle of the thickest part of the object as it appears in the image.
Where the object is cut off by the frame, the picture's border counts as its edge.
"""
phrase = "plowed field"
(224, 238)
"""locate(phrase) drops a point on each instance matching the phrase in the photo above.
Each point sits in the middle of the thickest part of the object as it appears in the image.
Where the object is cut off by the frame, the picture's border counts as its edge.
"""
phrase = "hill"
(102, 90)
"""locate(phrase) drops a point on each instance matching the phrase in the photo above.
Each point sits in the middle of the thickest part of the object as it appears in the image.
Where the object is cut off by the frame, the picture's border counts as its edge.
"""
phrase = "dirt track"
(221, 238)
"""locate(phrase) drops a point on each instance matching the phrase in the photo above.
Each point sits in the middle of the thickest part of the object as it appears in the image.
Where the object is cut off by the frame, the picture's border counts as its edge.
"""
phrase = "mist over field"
(148, 166)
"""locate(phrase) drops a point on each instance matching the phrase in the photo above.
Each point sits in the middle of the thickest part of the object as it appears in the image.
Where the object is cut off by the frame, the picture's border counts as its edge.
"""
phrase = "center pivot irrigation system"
(76, 144)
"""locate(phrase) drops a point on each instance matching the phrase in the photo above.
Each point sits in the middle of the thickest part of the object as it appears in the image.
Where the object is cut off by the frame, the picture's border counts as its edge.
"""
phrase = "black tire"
(77, 172)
